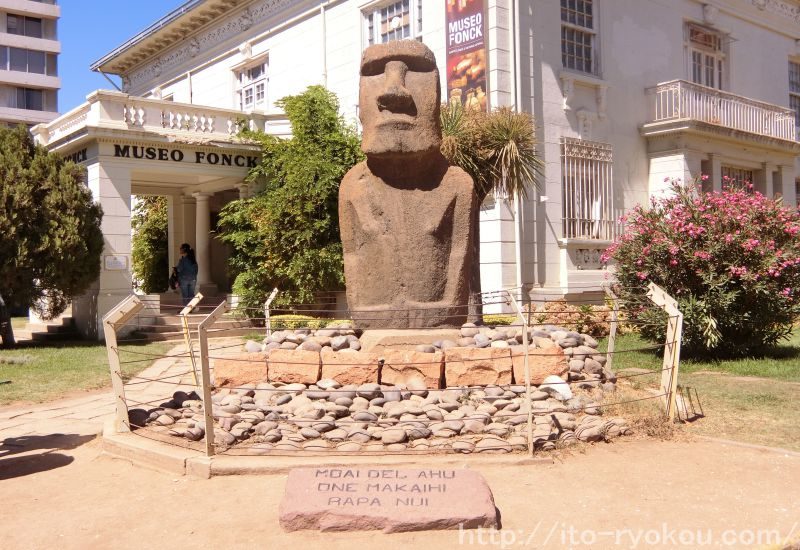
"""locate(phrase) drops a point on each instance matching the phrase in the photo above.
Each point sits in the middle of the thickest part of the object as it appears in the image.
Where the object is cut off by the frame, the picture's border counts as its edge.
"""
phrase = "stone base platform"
(179, 460)
(382, 339)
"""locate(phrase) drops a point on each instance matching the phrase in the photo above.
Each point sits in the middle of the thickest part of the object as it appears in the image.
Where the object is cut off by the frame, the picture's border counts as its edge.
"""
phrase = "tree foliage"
(731, 259)
(288, 235)
(149, 244)
(50, 226)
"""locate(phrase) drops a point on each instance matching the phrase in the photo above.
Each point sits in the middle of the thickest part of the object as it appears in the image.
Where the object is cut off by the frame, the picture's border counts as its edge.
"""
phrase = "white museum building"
(625, 93)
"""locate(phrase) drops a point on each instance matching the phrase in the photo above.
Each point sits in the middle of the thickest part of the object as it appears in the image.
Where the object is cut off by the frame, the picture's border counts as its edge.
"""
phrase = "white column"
(202, 242)
(175, 234)
(716, 172)
(244, 191)
(763, 178)
(187, 204)
(788, 189)
(111, 187)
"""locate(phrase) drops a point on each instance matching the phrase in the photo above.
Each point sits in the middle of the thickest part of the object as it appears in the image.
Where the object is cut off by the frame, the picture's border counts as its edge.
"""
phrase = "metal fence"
(184, 407)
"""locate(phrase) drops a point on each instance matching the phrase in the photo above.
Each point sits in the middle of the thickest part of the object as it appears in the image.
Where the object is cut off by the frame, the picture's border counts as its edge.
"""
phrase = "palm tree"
(498, 150)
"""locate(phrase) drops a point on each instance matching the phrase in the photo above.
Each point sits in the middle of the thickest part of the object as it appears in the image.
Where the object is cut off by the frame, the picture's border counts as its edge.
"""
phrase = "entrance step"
(170, 327)
(59, 330)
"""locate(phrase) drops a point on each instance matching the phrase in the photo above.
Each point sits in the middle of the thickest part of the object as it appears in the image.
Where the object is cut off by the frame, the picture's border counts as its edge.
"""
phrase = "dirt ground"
(61, 491)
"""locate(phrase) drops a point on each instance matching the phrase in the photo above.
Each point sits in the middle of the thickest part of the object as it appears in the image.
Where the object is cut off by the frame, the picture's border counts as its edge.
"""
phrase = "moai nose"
(395, 97)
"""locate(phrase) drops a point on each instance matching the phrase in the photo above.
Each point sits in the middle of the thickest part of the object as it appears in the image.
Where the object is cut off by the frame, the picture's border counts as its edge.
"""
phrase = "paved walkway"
(85, 415)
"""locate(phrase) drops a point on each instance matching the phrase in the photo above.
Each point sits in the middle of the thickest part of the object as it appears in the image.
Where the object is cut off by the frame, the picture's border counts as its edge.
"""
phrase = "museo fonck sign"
(176, 155)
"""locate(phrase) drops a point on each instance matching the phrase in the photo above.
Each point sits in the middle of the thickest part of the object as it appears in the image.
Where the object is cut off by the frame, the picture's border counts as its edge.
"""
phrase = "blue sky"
(89, 29)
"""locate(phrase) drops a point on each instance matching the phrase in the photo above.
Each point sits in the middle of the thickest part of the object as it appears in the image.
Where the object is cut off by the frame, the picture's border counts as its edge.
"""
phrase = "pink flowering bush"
(731, 259)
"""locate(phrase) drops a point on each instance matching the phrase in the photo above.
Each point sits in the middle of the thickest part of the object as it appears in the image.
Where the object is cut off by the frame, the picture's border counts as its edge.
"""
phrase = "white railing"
(116, 110)
(679, 99)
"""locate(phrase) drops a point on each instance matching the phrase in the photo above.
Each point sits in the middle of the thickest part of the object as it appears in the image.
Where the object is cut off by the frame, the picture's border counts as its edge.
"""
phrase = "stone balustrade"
(119, 111)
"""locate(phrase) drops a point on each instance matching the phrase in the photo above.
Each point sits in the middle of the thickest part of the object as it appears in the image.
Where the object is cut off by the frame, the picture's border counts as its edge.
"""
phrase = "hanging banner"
(466, 53)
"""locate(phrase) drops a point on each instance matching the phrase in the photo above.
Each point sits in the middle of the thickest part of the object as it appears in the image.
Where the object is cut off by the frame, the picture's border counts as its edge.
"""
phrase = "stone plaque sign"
(391, 499)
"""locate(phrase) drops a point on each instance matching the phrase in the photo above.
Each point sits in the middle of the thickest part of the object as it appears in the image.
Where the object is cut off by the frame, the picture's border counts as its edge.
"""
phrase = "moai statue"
(404, 213)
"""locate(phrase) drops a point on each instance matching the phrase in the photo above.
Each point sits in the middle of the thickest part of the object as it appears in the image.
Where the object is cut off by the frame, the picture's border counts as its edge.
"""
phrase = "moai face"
(399, 98)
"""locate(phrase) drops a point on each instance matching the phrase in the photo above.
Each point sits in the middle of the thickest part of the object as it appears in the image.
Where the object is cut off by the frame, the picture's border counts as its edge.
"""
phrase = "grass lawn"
(751, 399)
(45, 373)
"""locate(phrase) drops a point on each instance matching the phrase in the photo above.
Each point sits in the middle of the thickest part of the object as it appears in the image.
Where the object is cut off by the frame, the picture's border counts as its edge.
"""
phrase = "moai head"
(399, 98)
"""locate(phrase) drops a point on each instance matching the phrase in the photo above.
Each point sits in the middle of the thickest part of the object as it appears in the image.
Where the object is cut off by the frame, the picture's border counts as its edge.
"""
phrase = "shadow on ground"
(35, 462)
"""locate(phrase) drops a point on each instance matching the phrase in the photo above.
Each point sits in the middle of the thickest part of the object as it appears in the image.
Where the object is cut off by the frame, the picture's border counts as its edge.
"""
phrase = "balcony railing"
(118, 111)
(681, 100)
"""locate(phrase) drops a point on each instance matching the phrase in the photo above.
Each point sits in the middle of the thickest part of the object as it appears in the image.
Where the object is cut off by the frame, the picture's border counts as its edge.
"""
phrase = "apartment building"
(29, 49)
(626, 94)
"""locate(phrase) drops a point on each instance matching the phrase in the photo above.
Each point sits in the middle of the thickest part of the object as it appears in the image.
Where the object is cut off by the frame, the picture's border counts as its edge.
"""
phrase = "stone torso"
(406, 247)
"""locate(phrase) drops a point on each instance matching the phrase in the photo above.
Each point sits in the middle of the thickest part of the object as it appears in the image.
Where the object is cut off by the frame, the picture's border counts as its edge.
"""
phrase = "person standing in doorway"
(187, 273)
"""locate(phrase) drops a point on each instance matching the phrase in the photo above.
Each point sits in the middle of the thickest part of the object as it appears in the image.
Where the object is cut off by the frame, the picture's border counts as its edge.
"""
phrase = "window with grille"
(578, 37)
(588, 202)
(735, 176)
(253, 87)
(393, 21)
(794, 93)
(706, 56)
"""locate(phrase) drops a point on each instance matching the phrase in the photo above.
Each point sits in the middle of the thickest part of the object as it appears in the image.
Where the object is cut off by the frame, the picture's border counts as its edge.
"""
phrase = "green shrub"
(295, 321)
(149, 244)
(499, 319)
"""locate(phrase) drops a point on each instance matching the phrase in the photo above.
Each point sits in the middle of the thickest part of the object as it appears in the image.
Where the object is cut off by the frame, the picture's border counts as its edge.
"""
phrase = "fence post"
(612, 333)
(672, 345)
(115, 318)
(267, 322)
(187, 338)
(202, 336)
(525, 348)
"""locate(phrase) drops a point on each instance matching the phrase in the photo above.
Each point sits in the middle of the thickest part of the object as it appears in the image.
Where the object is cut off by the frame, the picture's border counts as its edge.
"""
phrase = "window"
(18, 60)
(26, 26)
(588, 205)
(578, 37)
(28, 98)
(706, 58)
(28, 61)
(253, 87)
(36, 62)
(794, 93)
(735, 176)
(393, 21)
